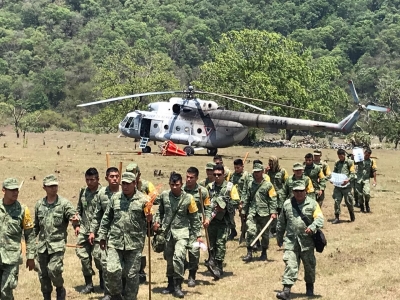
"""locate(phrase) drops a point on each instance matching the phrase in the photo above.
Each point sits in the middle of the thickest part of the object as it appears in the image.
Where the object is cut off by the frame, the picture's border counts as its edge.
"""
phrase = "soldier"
(343, 166)
(239, 178)
(298, 177)
(123, 229)
(103, 198)
(266, 177)
(224, 199)
(315, 173)
(218, 161)
(299, 243)
(85, 209)
(178, 214)
(325, 169)
(278, 177)
(146, 187)
(15, 221)
(52, 214)
(191, 187)
(259, 207)
(210, 176)
(366, 169)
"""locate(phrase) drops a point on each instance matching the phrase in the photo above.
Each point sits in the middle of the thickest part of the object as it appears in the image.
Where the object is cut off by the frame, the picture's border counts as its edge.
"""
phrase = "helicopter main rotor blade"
(232, 99)
(127, 97)
(353, 92)
(377, 108)
(276, 104)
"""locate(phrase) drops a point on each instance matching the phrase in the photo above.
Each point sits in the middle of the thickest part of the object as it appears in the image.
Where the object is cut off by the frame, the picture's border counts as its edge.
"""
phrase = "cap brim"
(127, 180)
(297, 169)
(51, 183)
(317, 154)
(12, 187)
(257, 170)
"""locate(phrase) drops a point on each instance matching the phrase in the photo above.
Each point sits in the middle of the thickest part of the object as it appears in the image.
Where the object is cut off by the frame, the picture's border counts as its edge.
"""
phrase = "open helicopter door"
(145, 126)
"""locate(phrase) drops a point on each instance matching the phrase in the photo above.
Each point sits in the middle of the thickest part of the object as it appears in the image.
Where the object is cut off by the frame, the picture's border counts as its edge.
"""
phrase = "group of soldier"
(111, 223)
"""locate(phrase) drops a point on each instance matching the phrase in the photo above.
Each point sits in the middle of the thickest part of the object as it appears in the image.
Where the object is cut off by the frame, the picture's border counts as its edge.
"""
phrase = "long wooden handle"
(108, 159)
(261, 232)
(120, 171)
(245, 157)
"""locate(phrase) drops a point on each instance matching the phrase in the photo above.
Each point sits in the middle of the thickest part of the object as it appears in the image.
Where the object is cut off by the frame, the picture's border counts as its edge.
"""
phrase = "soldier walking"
(191, 187)
(103, 198)
(52, 215)
(123, 231)
(178, 214)
(259, 207)
(297, 178)
(16, 221)
(298, 242)
(224, 199)
(325, 169)
(315, 173)
(85, 209)
(210, 176)
(343, 166)
(366, 170)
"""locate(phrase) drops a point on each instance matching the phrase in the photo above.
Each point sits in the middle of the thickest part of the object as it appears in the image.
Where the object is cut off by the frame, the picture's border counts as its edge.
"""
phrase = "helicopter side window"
(155, 125)
(166, 127)
(177, 128)
(186, 129)
(199, 130)
(129, 122)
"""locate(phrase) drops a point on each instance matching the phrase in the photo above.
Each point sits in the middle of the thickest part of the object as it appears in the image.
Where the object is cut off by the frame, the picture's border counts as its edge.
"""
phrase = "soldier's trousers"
(87, 254)
(50, 270)
(123, 263)
(9, 280)
(218, 232)
(353, 184)
(292, 262)
(254, 225)
(320, 199)
(363, 191)
(339, 194)
(175, 254)
(103, 259)
(194, 255)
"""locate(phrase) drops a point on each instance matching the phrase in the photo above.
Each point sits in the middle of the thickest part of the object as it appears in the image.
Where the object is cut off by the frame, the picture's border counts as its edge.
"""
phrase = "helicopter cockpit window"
(199, 130)
(129, 122)
(177, 128)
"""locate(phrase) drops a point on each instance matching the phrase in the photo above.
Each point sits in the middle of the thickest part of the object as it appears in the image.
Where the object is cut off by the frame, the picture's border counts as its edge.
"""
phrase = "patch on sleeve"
(317, 212)
(272, 192)
(234, 194)
(192, 208)
(27, 222)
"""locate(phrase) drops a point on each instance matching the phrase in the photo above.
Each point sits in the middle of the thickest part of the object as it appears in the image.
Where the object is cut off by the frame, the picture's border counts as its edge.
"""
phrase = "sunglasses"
(217, 174)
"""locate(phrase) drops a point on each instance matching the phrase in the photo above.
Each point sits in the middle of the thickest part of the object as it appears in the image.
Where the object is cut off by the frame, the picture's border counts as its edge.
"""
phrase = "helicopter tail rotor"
(369, 106)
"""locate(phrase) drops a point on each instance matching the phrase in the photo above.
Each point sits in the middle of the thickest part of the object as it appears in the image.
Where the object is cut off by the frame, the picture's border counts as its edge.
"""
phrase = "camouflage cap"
(299, 187)
(298, 166)
(221, 203)
(10, 184)
(317, 152)
(258, 167)
(50, 180)
(133, 168)
(128, 177)
(210, 166)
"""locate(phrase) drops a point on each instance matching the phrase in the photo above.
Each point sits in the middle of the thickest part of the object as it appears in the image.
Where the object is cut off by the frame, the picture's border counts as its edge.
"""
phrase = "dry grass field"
(361, 261)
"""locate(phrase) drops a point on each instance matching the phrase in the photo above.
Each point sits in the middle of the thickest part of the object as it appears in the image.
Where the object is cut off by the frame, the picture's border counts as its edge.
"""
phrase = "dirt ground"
(361, 260)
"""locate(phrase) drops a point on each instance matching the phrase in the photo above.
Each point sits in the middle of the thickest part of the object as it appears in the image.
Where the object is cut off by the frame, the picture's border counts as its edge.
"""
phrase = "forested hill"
(55, 54)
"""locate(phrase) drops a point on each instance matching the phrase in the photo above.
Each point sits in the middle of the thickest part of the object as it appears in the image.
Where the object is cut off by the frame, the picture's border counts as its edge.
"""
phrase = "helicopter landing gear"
(189, 150)
(146, 149)
(212, 151)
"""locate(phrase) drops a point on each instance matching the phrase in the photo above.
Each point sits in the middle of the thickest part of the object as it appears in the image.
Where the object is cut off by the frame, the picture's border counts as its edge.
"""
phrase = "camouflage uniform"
(194, 252)
(258, 207)
(103, 198)
(86, 207)
(344, 167)
(218, 229)
(185, 226)
(51, 223)
(206, 182)
(287, 190)
(124, 226)
(298, 244)
(15, 222)
(315, 173)
(364, 168)
(240, 180)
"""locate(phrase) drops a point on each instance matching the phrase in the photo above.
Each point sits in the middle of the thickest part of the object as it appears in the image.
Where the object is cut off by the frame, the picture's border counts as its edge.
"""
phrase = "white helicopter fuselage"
(183, 122)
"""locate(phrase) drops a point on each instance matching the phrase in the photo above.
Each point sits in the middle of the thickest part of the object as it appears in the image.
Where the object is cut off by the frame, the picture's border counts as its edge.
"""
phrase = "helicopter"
(199, 123)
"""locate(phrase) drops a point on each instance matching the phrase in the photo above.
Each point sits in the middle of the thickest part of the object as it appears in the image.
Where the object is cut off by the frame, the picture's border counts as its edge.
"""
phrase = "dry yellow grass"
(360, 262)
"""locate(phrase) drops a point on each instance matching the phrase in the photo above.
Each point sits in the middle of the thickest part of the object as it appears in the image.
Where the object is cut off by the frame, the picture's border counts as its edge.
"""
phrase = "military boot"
(233, 234)
(352, 216)
(336, 221)
(101, 280)
(220, 266)
(368, 209)
(309, 289)
(47, 296)
(61, 293)
(178, 288)
(170, 288)
(285, 294)
(249, 256)
(263, 256)
(142, 273)
(192, 278)
(89, 285)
